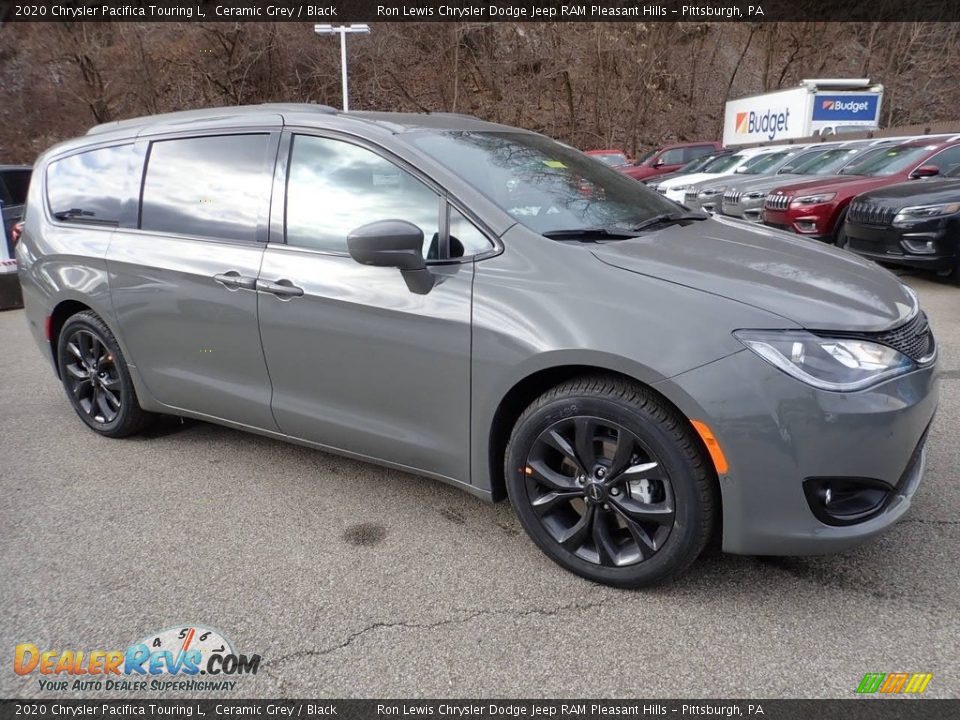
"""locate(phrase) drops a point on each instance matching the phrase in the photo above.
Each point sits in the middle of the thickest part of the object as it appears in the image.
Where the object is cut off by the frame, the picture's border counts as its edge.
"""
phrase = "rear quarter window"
(92, 186)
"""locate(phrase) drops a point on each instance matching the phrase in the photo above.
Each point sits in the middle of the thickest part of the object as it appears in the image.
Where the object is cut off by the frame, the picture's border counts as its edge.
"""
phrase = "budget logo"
(828, 104)
(742, 122)
(894, 683)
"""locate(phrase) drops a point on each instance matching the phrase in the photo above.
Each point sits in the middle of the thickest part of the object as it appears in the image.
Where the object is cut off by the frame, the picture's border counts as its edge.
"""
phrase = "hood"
(811, 284)
(765, 182)
(917, 192)
(840, 184)
(690, 179)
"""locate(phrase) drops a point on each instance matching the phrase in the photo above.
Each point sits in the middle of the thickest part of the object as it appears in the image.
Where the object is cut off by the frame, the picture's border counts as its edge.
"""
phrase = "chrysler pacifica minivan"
(488, 307)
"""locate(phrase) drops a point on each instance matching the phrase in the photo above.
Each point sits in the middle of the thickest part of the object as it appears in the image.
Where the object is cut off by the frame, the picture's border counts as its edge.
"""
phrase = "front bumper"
(744, 207)
(777, 432)
(802, 221)
(889, 244)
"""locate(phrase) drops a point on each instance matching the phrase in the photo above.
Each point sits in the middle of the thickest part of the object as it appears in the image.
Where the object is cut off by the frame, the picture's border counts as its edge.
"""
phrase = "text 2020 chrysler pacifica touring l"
(485, 306)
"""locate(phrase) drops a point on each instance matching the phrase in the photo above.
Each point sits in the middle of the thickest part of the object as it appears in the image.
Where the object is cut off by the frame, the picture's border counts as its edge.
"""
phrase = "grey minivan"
(485, 306)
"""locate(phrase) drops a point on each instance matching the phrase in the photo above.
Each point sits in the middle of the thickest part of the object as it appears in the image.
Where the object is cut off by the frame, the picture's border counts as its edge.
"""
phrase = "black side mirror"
(393, 243)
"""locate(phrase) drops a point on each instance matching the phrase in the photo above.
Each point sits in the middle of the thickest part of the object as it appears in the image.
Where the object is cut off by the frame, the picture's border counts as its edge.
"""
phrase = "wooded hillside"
(629, 85)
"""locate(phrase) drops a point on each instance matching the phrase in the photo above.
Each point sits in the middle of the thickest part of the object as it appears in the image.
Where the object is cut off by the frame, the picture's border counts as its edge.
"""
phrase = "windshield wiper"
(668, 220)
(589, 234)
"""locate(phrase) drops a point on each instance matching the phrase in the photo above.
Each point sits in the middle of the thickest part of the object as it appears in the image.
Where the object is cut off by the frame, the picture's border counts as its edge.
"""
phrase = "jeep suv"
(818, 209)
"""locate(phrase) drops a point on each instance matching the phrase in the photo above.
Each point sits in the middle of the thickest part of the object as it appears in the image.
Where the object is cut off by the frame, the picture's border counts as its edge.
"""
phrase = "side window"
(334, 187)
(17, 182)
(692, 153)
(465, 239)
(91, 187)
(215, 187)
(672, 157)
(946, 160)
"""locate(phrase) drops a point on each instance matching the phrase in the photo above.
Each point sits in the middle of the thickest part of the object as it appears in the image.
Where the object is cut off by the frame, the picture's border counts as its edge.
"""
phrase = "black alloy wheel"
(611, 481)
(92, 376)
(599, 491)
(96, 378)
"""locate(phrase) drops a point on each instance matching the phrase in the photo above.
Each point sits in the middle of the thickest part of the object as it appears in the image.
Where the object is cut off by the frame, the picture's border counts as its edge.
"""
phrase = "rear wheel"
(610, 482)
(96, 378)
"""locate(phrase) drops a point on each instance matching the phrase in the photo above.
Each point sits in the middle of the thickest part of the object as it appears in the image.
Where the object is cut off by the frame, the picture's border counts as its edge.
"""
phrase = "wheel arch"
(62, 312)
(530, 387)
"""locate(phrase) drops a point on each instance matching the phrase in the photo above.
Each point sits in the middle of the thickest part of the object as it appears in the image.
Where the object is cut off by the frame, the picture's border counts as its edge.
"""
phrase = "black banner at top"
(350, 11)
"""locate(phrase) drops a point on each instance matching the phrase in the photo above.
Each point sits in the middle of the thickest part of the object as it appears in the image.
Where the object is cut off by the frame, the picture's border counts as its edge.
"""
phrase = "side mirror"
(658, 163)
(393, 243)
(925, 171)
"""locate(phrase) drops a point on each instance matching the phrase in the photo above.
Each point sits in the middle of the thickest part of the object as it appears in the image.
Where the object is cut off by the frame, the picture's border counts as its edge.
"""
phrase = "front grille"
(689, 197)
(778, 202)
(732, 197)
(866, 213)
(662, 190)
(914, 339)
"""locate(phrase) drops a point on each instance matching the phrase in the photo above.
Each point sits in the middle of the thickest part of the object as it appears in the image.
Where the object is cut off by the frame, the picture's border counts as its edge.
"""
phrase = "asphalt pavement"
(353, 580)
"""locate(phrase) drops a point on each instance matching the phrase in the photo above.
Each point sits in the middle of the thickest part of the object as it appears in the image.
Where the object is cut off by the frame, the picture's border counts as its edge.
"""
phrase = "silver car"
(490, 308)
(707, 194)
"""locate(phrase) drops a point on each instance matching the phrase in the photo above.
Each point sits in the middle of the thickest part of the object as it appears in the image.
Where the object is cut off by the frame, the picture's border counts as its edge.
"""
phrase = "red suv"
(667, 159)
(818, 209)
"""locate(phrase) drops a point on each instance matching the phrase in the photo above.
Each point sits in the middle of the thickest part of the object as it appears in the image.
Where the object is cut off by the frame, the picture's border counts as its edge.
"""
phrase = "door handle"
(281, 288)
(232, 280)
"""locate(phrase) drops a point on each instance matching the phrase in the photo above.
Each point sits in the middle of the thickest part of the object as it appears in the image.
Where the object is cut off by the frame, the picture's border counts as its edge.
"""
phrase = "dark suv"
(910, 224)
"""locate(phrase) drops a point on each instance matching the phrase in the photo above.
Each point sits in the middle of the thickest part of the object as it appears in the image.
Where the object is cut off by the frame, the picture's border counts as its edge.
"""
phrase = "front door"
(358, 361)
(182, 284)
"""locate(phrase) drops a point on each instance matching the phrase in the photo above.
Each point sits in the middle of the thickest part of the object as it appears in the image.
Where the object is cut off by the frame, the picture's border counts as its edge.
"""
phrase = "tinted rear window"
(91, 187)
(215, 187)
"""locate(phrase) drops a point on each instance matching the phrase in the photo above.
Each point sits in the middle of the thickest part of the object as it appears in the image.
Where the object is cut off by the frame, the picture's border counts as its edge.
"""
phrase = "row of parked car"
(895, 200)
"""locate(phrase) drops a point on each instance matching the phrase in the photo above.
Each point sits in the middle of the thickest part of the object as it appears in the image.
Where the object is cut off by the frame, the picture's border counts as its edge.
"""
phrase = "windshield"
(644, 157)
(698, 163)
(889, 161)
(541, 183)
(611, 159)
(764, 163)
(723, 163)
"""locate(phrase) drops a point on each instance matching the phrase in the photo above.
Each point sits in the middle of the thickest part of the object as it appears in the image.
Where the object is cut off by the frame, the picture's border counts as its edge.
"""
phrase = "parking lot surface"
(353, 580)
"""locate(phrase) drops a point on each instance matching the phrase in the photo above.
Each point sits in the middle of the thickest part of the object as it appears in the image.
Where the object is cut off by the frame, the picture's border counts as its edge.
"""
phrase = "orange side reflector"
(713, 447)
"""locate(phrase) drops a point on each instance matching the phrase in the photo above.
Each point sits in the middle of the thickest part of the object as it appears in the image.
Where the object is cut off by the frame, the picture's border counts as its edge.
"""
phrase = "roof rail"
(213, 113)
(455, 115)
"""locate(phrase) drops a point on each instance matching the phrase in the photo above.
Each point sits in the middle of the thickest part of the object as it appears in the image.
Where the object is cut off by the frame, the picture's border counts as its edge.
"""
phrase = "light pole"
(342, 30)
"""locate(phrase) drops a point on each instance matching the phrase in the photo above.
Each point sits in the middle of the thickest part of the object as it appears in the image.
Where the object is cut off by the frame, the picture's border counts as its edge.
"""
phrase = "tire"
(840, 234)
(633, 540)
(95, 378)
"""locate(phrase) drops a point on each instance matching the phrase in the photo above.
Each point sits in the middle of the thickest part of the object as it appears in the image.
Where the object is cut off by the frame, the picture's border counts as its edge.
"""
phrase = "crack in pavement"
(304, 654)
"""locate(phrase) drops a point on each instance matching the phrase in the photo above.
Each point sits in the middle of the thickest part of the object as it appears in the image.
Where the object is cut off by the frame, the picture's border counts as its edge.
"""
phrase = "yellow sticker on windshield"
(554, 164)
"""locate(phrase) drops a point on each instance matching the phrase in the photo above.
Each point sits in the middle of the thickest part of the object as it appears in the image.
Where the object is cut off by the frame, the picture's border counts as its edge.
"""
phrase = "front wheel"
(610, 482)
(96, 378)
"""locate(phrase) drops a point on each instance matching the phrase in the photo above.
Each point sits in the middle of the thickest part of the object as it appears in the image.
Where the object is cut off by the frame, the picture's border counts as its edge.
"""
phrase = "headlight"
(680, 188)
(710, 192)
(755, 195)
(838, 364)
(813, 199)
(923, 212)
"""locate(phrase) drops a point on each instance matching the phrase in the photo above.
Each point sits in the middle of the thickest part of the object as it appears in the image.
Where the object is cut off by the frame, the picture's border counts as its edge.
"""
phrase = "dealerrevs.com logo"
(172, 659)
